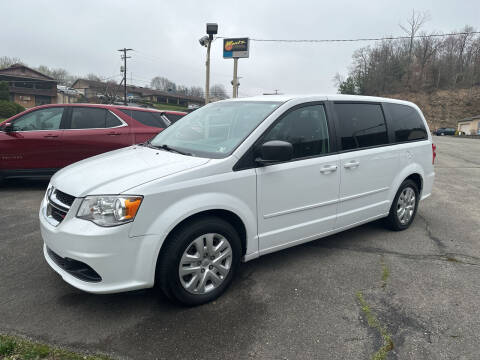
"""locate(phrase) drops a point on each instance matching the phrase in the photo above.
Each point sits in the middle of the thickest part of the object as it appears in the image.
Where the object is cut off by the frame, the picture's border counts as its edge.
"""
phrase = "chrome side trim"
(301, 208)
(325, 203)
(119, 118)
(114, 127)
(356, 196)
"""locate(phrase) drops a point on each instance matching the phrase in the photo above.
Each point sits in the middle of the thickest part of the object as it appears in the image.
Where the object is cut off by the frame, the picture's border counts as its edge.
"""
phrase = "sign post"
(235, 48)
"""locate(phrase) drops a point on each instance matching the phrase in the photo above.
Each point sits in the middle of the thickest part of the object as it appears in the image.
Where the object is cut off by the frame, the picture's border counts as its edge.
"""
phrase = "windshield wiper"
(168, 148)
(147, 144)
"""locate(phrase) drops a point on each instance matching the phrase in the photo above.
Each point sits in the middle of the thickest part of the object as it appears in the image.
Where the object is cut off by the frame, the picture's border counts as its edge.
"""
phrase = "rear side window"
(88, 118)
(146, 117)
(407, 125)
(173, 117)
(112, 120)
(361, 125)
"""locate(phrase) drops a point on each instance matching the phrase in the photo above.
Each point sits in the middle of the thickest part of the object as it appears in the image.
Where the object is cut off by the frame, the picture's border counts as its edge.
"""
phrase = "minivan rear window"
(407, 125)
(360, 125)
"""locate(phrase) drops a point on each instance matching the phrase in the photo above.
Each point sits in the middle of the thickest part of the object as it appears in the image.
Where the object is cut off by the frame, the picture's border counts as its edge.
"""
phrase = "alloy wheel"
(205, 263)
(406, 205)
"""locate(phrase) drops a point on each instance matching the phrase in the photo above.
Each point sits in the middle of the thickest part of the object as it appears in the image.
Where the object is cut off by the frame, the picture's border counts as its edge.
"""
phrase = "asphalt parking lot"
(419, 288)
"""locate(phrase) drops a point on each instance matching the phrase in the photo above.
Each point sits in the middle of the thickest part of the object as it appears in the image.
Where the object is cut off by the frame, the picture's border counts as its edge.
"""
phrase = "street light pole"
(207, 42)
(207, 78)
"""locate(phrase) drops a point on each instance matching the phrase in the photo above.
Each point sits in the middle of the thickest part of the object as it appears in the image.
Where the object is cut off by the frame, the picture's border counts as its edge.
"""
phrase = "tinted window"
(146, 117)
(44, 119)
(361, 125)
(112, 120)
(407, 125)
(173, 117)
(88, 118)
(305, 128)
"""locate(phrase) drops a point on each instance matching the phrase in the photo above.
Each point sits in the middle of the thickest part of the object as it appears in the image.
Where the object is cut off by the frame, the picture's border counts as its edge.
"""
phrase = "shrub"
(19, 108)
(4, 93)
(7, 109)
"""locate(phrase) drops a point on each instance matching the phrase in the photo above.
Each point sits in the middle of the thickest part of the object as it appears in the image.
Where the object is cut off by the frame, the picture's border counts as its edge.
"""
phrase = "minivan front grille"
(64, 198)
(57, 214)
(58, 206)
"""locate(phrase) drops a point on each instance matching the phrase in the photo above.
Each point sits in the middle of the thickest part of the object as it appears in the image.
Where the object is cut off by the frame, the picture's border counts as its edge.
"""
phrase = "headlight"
(107, 210)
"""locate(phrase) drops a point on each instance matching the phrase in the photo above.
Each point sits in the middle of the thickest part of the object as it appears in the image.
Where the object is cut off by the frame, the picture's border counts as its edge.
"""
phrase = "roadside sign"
(235, 48)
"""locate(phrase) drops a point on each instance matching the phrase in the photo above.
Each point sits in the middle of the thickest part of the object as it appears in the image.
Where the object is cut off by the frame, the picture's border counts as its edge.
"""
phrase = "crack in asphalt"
(441, 247)
(443, 255)
(451, 257)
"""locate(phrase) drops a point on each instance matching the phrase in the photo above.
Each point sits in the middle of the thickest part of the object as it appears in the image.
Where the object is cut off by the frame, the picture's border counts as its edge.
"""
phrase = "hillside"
(444, 108)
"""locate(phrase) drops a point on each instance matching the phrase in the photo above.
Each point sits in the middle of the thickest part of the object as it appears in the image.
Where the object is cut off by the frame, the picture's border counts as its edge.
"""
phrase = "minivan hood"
(117, 171)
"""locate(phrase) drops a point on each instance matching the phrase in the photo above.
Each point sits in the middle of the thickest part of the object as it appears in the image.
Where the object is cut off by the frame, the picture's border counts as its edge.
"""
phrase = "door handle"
(50, 136)
(328, 169)
(113, 133)
(351, 164)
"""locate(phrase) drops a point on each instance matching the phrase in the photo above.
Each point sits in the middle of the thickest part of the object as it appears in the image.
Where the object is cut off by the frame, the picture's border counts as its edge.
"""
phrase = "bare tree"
(6, 61)
(218, 91)
(92, 76)
(420, 63)
(195, 91)
(60, 75)
(163, 84)
(414, 23)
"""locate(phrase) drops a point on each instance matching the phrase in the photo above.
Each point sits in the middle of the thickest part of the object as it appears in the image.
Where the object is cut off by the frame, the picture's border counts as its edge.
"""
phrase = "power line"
(356, 40)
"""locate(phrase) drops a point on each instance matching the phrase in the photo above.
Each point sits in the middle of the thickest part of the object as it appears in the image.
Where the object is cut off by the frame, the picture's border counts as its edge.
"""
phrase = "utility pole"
(124, 58)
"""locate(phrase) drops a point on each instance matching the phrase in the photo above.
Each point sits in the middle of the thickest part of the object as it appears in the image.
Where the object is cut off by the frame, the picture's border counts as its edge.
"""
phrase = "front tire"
(404, 206)
(199, 261)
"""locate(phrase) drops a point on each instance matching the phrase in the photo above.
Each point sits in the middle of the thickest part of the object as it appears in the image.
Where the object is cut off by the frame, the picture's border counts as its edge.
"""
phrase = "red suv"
(39, 141)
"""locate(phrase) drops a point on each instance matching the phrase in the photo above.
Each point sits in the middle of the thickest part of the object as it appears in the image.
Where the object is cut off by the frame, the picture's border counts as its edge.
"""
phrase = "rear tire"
(199, 261)
(404, 206)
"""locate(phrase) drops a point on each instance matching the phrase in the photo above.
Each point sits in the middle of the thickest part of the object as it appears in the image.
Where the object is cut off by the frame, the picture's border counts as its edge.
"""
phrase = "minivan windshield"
(214, 130)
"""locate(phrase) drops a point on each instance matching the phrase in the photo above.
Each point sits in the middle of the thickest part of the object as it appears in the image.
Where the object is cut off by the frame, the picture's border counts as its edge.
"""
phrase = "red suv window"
(173, 117)
(148, 118)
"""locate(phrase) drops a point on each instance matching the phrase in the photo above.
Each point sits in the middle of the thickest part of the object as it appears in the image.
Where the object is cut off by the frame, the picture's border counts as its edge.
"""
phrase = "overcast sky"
(83, 37)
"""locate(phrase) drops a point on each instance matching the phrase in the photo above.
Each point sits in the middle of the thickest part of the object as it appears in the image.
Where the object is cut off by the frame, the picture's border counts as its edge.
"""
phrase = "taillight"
(434, 153)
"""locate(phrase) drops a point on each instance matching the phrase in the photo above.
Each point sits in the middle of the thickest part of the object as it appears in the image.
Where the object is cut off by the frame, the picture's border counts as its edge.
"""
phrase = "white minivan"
(232, 181)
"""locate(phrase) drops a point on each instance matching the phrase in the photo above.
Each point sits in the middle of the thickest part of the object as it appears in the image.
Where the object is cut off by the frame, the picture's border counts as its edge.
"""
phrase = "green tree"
(4, 93)
(348, 86)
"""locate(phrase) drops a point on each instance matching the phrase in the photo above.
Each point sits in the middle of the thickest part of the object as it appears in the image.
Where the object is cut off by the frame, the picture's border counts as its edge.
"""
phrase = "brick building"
(93, 90)
(29, 87)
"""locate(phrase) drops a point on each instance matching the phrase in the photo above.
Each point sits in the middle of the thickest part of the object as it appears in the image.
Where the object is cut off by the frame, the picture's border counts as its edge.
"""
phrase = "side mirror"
(275, 151)
(8, 127)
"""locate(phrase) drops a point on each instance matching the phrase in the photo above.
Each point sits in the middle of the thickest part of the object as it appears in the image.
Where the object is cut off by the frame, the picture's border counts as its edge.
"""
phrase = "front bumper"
(123, 263)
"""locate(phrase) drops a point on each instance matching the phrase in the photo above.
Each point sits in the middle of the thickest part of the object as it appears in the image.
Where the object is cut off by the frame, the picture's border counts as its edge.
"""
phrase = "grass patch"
(170, 107)
(374, 323)
(15, 348)
(385, 273)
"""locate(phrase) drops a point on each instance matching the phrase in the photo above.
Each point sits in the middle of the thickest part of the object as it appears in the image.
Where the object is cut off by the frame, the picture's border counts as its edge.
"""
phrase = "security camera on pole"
(206, 41)
(235, 48)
